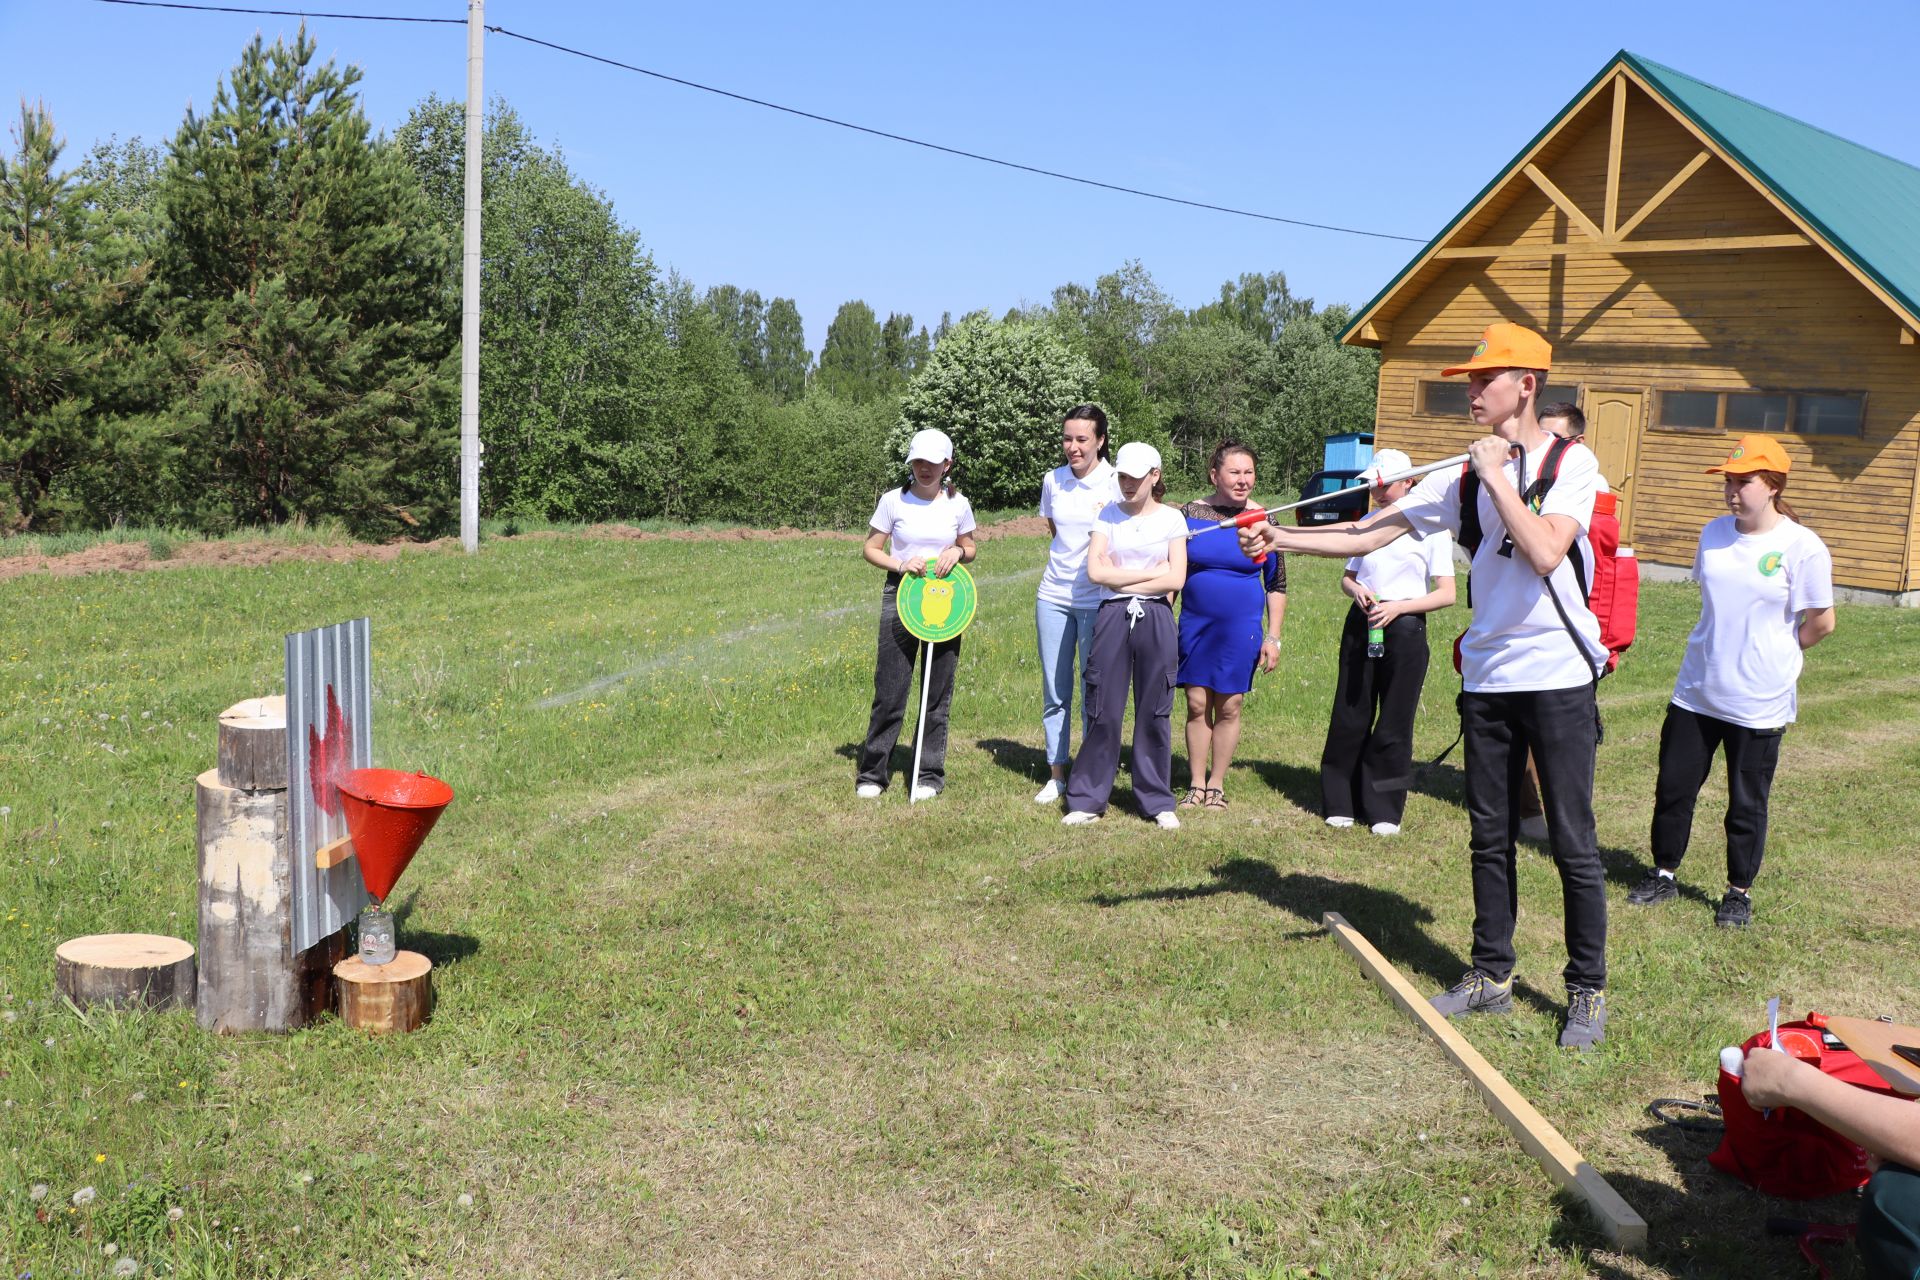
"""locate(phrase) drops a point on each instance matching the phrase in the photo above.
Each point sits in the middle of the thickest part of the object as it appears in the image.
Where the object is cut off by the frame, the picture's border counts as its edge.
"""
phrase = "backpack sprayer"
(1254, 515)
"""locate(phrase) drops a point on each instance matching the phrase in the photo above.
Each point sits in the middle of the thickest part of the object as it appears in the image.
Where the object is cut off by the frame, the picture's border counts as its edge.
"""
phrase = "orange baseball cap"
(1507, 346)
(1754, 453)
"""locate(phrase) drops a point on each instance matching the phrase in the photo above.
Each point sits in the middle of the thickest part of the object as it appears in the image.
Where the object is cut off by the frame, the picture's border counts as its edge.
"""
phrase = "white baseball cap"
(1386, 462)
(930, 446)
(1136, 458)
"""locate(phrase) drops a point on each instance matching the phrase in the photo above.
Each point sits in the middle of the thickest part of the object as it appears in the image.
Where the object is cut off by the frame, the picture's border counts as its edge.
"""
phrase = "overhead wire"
(792, 111)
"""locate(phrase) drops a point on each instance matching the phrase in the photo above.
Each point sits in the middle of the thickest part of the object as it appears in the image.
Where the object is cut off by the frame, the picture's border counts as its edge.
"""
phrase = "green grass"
(701, 1013)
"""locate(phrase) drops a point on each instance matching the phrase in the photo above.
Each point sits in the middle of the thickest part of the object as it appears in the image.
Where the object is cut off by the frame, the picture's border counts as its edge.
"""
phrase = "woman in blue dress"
(1230, 617)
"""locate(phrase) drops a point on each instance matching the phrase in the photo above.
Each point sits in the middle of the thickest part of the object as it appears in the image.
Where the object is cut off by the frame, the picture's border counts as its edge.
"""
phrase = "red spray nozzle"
(1246, 520)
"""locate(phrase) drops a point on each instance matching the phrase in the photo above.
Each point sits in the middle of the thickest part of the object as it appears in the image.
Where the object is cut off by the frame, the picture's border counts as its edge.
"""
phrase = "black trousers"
(893, 666)
(1561, 727)
(1141, 653)
(1366, 768)
(1687, 743)
(1890, 1224)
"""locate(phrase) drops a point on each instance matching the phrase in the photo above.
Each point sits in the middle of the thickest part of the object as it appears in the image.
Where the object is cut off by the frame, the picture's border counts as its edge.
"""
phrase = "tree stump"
(125, 970)
(250, 979)
(396, 996)
(253, 744)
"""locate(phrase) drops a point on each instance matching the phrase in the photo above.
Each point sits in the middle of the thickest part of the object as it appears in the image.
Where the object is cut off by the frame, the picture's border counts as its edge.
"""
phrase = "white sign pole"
(920, 729)
(470, 292)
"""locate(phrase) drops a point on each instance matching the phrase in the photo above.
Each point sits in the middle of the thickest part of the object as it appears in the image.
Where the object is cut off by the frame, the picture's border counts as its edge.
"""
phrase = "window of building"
(1449, 399)
(1812, 413)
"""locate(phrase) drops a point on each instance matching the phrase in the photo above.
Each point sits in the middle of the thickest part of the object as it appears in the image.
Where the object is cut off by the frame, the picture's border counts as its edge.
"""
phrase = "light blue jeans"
(1062, 629)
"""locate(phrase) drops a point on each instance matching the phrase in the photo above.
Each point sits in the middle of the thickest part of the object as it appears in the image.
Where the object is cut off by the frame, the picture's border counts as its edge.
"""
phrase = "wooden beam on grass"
(1624, 1228)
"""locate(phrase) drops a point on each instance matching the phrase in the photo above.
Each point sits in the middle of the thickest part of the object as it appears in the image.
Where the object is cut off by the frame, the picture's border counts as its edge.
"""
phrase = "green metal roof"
(1864, 204)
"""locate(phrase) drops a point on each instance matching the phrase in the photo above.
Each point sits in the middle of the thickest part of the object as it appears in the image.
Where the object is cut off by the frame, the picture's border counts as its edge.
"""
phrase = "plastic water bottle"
(1376, 642)
(1733, 1062)
(376, 936)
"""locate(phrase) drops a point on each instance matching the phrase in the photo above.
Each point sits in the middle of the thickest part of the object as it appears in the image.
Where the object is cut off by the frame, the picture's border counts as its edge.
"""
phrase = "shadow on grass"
(1021, 759)
(1296, 782)
(1391, 921)
(442, 949)
(1708, 1225)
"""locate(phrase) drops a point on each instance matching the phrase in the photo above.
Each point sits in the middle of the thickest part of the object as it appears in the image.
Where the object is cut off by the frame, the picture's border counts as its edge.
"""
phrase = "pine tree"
(304, 267)
(68, 277)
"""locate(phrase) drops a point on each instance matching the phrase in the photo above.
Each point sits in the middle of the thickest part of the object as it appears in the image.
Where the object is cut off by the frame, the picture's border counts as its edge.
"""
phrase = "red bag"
(1787, 1152)
(1615, 596)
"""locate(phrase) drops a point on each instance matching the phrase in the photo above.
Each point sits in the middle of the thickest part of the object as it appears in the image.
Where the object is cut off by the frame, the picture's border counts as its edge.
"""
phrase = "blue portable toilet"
(1350, 451)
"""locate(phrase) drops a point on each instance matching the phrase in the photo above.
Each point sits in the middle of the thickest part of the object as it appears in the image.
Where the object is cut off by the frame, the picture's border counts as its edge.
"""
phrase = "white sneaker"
(1342, 823)
(1385, 828)
(921, 791)
(1168, 821)
(869, 790)
(1079, 818)
(1049, 793)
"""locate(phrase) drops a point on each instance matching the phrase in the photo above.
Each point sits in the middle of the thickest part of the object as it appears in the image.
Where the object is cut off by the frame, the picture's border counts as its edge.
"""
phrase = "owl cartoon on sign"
(936, 602)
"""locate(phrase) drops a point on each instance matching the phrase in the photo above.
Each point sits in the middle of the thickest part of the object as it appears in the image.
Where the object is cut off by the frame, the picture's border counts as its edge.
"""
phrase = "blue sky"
(1385, 116)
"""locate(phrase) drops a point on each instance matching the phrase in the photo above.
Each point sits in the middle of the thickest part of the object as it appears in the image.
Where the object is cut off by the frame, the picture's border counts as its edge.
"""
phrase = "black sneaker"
(1736, 911)
(1653, 889)
(1586, 1018)
(1475, 993)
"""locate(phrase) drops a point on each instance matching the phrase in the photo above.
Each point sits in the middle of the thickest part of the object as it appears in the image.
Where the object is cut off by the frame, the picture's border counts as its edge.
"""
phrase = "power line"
(796, 111)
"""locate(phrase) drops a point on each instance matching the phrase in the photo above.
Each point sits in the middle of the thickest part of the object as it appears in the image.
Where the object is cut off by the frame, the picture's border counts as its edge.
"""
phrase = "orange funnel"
(389, 813)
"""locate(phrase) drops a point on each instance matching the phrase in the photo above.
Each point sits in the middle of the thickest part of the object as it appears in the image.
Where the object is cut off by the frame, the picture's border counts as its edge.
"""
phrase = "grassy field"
(702, 1013)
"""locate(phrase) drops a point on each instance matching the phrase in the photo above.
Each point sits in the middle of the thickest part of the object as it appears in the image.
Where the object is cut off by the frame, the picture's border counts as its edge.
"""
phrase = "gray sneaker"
(1586, 1018)
(1654, 888)
(1735, 910)
(1475, 993)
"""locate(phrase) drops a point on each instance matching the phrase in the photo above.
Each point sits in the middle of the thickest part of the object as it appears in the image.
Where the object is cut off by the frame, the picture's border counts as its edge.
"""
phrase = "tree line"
(260, 324)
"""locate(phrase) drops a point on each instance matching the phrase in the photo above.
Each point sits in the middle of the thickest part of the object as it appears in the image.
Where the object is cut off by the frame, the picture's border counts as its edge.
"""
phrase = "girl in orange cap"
(1766, 596)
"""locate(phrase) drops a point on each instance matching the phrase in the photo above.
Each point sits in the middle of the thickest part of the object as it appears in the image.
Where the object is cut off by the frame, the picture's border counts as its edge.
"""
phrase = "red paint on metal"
(389, 813)
(328, 754)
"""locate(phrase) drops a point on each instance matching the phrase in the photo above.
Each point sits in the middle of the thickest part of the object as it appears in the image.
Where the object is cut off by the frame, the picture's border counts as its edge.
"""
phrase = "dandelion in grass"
(37, 1192)
(127, 1267)
(99, 1157)
(109, 1248)
(83, 1197)
(176, 1213)
(465, 1201)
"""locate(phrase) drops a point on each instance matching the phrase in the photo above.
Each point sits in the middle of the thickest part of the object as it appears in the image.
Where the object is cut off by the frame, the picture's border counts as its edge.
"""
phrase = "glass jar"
(376, 936)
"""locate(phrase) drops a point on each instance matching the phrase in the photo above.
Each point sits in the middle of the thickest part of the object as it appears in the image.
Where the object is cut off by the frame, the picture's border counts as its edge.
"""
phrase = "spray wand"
(1254, 515)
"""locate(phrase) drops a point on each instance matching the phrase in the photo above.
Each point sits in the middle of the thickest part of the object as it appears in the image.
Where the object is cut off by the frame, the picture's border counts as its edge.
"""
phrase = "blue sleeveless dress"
(1223, 608)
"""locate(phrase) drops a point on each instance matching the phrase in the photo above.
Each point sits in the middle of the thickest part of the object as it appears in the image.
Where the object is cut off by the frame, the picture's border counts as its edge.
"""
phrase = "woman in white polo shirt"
(1137, 556)
(1072, 497)
(1766, 596)
(920, 528)
(1366, 768)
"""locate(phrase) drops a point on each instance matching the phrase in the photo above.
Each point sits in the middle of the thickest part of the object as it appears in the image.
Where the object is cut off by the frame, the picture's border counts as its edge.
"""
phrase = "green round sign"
(936, 609)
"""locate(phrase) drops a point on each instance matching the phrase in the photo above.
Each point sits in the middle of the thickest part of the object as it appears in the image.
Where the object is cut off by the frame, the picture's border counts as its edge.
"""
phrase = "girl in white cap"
(1366, 768)
(1137, 556)
(920, 528)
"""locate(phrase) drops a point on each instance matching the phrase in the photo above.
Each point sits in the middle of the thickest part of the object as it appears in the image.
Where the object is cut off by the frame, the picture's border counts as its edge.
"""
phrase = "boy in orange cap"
(1529, 662)
(1766, 597)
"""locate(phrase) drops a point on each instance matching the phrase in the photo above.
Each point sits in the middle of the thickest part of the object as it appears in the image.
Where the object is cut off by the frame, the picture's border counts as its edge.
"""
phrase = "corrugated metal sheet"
(329, 730)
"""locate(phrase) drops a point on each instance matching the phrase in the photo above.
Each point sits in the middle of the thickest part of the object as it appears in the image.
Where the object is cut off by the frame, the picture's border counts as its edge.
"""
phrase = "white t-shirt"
(1138, 542)
(1517, 643)
(1073, 504)
(1743, 657)
(917, 527)
(1399, 570)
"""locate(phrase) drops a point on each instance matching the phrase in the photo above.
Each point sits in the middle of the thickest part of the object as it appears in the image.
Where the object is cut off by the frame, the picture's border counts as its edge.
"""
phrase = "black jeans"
(1687, 743)
(1559, 725)
(1366, 768)
(893, 665)
(1890, 1224)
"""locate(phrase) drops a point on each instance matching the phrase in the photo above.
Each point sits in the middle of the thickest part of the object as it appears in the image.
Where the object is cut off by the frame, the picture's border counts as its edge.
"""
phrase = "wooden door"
(1614, 422)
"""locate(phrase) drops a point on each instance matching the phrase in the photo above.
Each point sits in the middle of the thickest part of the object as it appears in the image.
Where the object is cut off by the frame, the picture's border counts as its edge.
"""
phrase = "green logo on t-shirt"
(1769, 564)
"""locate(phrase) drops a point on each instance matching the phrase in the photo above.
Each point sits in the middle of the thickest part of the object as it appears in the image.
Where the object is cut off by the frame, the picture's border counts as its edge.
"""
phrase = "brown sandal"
(1196, 796)
(1215, 798)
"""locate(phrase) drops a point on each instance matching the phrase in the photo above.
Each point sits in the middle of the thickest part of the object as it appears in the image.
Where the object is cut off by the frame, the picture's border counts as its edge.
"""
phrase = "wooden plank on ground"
(1623, 1227)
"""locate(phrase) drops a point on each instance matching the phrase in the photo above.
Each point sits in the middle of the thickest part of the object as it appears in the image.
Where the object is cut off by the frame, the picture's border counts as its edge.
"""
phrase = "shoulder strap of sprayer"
(1533, 493)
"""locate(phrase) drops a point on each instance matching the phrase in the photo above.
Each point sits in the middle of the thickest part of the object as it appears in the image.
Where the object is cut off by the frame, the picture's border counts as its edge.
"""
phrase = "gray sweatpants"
(1142, 652)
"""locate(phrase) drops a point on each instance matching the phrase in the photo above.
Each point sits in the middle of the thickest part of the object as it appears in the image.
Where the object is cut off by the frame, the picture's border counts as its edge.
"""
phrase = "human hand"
(1382, 612)
(913, 566)
(1361, 596)
(944, 565)
(1773, 1078)
(1488, 455)
(1269, 656)
(1258, 539)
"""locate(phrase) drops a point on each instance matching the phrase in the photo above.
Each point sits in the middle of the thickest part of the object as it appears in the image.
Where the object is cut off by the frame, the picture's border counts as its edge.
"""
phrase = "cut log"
(125, 970)
(396, 996)
(253, 744)
(250, 979)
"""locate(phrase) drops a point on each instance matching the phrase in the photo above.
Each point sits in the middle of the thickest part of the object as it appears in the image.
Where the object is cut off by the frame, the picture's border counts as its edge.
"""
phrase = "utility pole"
(470, 293)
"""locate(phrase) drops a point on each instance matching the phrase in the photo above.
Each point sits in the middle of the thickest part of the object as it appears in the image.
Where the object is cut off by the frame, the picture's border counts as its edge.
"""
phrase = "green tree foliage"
(304, 268)
(999, 391)
(1261, 305)
(818, 460)
(788, 359)
(741, 316)
(1320, 389)
(71, 375)
(575, 359)
(1211, 382)
(853, 361)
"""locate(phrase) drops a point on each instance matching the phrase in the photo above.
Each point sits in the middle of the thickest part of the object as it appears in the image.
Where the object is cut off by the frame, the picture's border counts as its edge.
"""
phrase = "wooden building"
(1704, 267)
